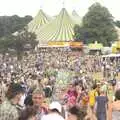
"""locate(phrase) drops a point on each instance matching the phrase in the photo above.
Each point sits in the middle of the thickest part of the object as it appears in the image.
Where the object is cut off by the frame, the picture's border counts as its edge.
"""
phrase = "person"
(75, 113)
(85, 100)
(38, 98)
(28, 100)
(101, 105)
(48, 91)
(3, 89)
(92, 95)
(72, 92)
(28, 114)
(8, 109)
(55, 112)
(114, 107)
(71, 95)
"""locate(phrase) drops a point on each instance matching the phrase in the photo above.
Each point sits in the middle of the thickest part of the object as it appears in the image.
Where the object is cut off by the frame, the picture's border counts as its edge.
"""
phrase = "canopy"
(115, 46)
(76, 18)
(118, 44)
(95, 46)
(111, 55)
(66, 44)
(59, 29)
(40, 19)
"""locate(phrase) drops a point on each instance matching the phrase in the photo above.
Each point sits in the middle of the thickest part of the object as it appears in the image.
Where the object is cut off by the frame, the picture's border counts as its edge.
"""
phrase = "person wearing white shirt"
(55, 112)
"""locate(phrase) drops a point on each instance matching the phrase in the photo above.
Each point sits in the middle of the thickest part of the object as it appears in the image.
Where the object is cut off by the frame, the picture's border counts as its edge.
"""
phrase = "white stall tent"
(111, 55)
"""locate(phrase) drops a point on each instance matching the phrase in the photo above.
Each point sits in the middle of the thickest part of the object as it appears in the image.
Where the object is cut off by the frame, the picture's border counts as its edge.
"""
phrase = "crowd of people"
(59, 84)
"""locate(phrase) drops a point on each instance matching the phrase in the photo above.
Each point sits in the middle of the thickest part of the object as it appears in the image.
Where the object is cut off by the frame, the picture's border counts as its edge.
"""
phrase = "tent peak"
(74, 13)
(39, 20)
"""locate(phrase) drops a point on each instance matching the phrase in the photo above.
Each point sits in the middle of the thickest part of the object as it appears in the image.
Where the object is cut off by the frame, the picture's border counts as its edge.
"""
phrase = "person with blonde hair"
(38, 98)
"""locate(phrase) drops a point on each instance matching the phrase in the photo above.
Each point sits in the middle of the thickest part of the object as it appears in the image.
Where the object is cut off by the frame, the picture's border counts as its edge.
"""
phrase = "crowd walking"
(59, 85)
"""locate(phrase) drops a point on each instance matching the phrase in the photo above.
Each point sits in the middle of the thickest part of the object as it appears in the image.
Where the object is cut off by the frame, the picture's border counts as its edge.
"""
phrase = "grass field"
(99, 76)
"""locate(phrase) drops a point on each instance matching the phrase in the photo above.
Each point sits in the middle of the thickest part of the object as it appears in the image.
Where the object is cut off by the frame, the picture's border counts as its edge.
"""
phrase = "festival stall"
(95, 48)
(58, 44)
(113, 58)
(71, 45)
(111, 55)
(116, 47)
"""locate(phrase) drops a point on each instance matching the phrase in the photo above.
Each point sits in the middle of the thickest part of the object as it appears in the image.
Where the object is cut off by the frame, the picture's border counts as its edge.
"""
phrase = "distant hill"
(11, 24)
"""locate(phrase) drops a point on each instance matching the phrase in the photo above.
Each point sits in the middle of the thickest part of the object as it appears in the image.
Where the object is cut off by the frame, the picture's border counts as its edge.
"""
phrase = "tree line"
(98, 25)
(14, 37)
(11, 24)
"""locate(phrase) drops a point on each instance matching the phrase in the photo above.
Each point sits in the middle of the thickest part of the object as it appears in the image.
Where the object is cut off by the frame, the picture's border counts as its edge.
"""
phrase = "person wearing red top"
(72, 91)
(72, 96)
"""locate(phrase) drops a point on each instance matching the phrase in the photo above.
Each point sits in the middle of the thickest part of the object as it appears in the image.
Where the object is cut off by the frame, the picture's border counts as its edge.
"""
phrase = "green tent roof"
(40, 19)
(76, 18)
(59, 29)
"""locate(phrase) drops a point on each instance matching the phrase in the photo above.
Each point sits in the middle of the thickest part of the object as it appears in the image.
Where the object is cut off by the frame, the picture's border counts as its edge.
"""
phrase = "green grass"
(99, 76)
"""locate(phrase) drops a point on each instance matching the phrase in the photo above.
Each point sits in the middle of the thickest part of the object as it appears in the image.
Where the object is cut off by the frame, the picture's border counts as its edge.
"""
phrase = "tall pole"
(63, 3)
(41, 4)
(101, 1)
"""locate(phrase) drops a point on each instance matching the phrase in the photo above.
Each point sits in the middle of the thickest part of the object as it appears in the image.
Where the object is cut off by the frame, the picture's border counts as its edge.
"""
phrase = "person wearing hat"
(55, 112)
(8, 109)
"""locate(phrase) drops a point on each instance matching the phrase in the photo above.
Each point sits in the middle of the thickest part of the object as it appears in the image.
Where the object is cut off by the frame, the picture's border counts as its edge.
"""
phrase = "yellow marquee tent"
(95, 46)
(116, 47)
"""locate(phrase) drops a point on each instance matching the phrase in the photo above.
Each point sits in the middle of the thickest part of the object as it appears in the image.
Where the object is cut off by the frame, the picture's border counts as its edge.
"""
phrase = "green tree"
(24, 41)
(117, 23)
(19, 44)
(79, 33)
(6, 43)
(11, 24)
(99, 25)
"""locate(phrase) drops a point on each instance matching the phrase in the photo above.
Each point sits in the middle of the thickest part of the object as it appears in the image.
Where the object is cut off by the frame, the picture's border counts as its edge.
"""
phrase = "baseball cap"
(55, 105)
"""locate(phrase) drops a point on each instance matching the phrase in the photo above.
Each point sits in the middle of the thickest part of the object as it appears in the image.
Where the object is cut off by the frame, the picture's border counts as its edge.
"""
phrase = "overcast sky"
(53, 7)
